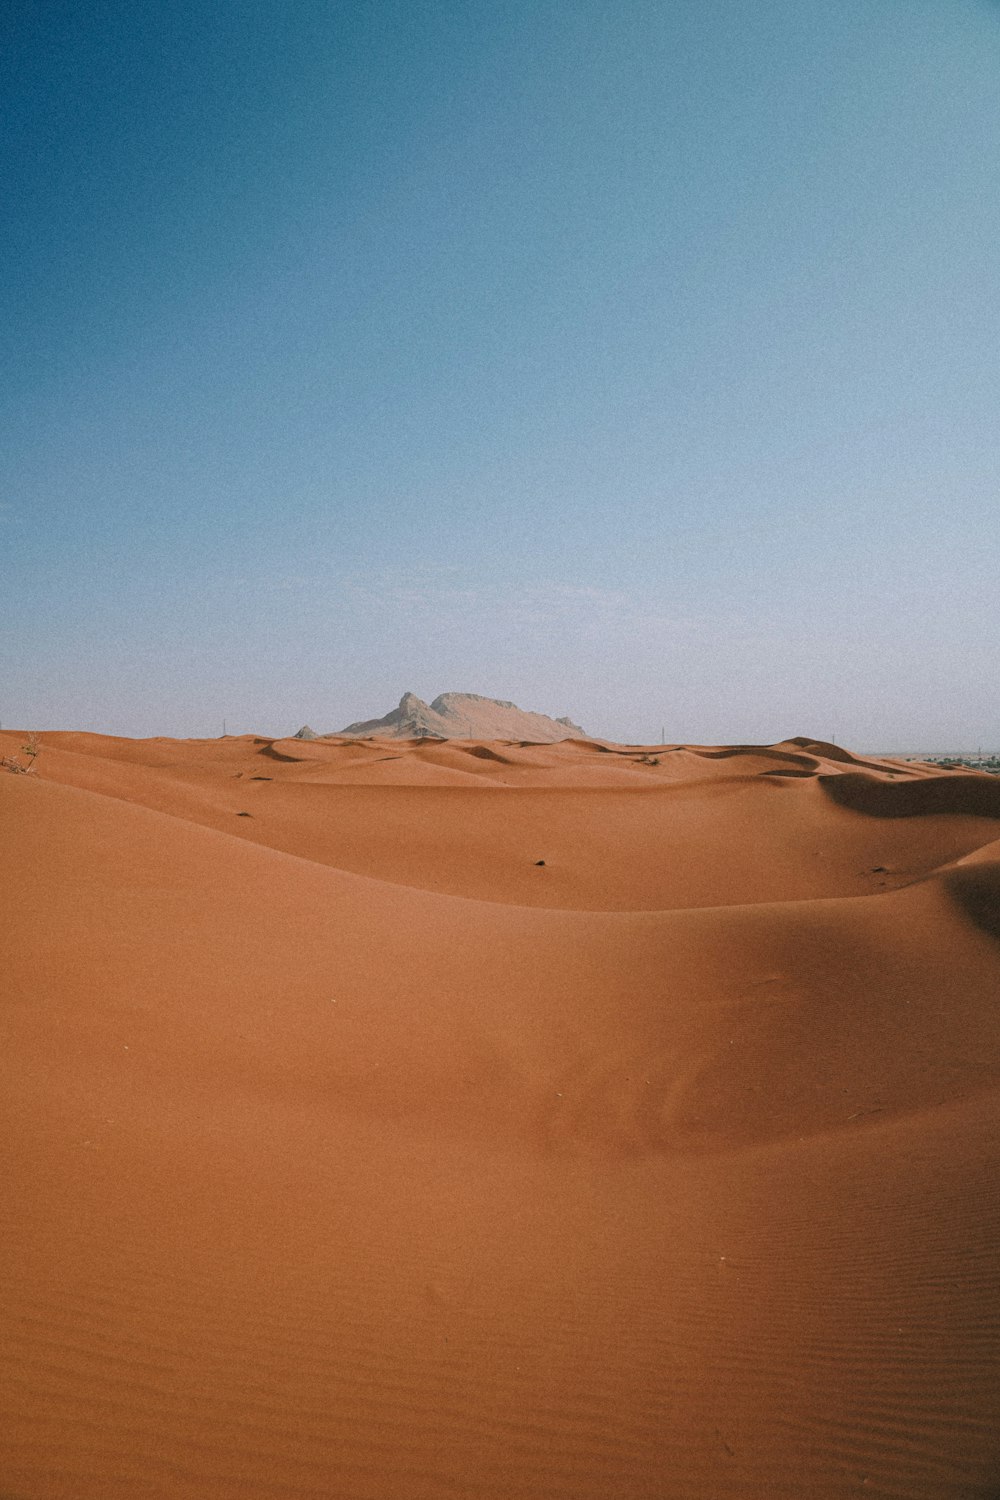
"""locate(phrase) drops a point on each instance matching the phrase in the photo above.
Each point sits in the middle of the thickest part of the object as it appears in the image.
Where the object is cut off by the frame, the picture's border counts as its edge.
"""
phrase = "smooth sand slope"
(498, 1120)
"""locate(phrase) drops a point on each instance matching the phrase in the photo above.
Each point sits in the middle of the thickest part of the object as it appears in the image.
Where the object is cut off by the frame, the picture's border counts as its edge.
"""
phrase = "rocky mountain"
(463, 716)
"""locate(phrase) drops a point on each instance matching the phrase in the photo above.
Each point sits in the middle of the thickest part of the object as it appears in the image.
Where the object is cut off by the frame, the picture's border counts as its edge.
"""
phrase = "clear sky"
(636, 361)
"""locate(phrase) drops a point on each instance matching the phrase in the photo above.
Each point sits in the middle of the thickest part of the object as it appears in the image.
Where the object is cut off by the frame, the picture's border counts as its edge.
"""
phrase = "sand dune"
(495, 1119)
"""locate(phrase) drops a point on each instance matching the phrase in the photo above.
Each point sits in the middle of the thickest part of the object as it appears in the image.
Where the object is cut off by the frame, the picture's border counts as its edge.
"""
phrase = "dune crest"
(499, 1117)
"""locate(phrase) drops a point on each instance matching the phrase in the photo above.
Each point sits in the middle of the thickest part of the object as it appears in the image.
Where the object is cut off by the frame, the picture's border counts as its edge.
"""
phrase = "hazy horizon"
(235, 731)
(637, 365)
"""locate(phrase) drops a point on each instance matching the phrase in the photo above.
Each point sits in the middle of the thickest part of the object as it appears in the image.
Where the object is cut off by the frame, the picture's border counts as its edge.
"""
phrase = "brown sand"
(352, 1152)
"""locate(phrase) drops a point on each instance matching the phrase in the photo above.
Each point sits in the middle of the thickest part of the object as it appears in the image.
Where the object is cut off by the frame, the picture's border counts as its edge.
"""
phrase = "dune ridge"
(496, 1118)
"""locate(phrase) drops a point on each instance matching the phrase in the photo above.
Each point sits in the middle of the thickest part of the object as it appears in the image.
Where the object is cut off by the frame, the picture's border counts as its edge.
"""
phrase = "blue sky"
(635, 361)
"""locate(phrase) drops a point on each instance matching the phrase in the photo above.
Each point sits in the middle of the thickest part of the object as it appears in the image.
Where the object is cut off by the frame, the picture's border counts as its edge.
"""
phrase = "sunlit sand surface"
(422, 1119)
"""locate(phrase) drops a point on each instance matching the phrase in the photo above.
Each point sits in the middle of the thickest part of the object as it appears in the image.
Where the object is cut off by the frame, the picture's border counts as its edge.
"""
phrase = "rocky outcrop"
(464, 716)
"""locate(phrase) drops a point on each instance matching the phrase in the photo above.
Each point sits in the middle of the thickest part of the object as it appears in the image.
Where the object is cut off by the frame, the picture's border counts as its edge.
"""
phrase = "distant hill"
(461, 716)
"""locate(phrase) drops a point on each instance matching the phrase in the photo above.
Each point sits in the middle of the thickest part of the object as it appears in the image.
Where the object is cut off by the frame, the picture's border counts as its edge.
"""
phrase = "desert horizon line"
(986, 751)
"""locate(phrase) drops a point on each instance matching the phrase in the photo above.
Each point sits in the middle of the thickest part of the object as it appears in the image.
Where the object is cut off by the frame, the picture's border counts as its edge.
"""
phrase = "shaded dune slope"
(955, 794)
(347, 1160)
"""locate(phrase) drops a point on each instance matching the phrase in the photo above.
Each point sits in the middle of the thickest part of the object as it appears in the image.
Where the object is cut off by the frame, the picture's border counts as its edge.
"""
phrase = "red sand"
(355, 1153)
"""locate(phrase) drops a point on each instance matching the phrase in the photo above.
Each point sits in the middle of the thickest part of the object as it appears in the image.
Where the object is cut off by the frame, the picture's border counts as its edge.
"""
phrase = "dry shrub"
(32, 750)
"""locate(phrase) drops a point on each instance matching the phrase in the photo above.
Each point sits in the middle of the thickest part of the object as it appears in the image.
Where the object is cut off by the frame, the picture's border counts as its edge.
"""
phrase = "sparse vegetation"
(15, 766)
(988, 763)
